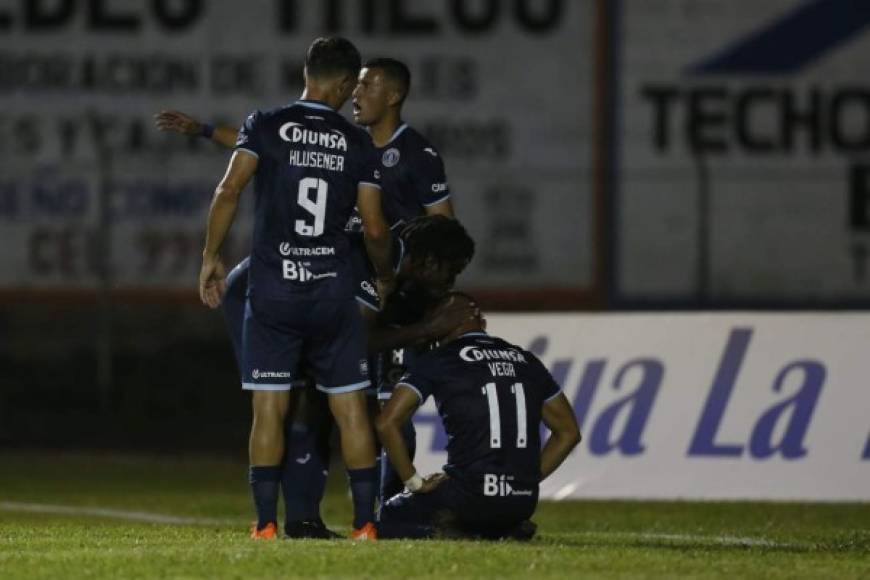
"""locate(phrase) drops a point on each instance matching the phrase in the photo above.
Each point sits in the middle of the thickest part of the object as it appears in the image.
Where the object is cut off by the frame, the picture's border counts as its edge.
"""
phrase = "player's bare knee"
(270, 405)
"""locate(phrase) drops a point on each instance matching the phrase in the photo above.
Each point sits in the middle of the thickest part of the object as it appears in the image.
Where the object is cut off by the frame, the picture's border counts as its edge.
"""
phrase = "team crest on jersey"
(391, 157)
(364, 367)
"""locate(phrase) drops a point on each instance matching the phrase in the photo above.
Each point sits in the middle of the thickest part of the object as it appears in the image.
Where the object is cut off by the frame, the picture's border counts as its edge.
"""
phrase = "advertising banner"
(744, 139)
(503, 89)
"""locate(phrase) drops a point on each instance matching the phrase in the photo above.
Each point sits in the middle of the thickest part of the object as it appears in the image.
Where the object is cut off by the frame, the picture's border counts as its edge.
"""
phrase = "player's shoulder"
(431, 361)
(270, 114)
(413, 143)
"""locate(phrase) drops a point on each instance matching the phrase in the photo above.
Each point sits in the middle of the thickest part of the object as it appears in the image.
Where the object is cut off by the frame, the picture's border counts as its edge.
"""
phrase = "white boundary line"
(157, 518)
(729, 541)
(130, 516)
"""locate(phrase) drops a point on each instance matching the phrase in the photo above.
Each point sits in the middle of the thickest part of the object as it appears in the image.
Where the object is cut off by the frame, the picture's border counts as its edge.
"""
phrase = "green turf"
(577, 539)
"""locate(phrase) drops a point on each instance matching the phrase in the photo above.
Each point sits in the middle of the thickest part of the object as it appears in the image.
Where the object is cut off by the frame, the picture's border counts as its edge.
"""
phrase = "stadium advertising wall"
(745, 131)
(730, 406)
(503, 88)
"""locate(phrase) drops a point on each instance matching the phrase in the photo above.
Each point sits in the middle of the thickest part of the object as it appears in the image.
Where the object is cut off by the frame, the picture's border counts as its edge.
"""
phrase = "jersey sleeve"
(543, 380)
(249, 136)
(430, 180)
(369, 172)
(420, 378)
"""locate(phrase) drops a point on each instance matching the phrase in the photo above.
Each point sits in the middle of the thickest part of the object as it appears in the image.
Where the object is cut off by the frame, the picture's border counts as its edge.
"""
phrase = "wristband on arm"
(207, 130)
(414, 483)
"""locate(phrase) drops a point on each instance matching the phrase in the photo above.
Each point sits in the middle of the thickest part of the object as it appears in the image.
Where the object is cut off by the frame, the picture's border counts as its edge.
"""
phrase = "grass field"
(94, 516)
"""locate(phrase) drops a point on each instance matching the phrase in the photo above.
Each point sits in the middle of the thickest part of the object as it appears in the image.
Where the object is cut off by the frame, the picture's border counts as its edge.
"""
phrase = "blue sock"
(363, 484)
(265, 482)
(303, 479)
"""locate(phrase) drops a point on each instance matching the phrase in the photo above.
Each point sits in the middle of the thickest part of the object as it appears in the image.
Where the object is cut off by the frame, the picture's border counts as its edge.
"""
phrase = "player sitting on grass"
(492, 397)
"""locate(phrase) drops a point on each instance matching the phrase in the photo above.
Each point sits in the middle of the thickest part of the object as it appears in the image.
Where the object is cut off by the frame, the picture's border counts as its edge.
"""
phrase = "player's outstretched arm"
(178, 122)
(220, 217)
(559, 418)
(376, 234)
(388, 423)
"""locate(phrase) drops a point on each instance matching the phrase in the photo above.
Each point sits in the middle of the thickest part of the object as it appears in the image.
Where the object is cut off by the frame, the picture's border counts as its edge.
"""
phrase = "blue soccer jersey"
(490, 396)
(311, 161)
(413, 176)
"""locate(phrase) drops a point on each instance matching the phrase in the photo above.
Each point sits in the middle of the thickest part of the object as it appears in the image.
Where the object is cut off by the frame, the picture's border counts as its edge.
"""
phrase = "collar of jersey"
(474, 333)
(397, 132)
(314, 105)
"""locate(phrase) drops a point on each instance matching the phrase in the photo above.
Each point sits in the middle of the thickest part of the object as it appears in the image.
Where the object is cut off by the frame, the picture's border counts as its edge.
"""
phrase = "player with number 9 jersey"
(311, 160)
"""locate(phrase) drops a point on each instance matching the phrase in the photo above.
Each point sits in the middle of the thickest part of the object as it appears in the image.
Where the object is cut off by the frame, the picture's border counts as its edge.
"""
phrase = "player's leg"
(338, 356)
(269, 357)
(358, 450)
(306, 456)
(419, 516)
(306, 466)
(496, 518)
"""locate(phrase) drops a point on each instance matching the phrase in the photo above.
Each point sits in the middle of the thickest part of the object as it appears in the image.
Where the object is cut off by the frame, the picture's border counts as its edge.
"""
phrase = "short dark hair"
(439, 237)
(331, 57)
(395, 70)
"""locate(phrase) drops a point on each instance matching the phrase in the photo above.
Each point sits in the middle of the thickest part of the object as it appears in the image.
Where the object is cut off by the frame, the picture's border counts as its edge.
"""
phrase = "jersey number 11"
(495, 415)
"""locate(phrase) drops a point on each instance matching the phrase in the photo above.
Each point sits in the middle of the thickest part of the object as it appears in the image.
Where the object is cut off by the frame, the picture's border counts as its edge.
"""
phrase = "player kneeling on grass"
(492, 397)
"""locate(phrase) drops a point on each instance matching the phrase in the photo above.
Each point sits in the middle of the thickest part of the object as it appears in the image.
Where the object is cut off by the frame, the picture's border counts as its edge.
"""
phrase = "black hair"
(332, 56)
(439, 237)
(395, 70)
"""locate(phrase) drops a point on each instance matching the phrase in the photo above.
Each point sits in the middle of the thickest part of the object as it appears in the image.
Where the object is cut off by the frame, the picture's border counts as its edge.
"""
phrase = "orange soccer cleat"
(269, 532)
(367, 533)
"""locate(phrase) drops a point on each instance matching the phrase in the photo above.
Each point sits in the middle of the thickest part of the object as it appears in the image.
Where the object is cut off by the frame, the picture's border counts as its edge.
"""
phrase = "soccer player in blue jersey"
(412, 169)
(414, 184)
(492, 397)
(312, 167)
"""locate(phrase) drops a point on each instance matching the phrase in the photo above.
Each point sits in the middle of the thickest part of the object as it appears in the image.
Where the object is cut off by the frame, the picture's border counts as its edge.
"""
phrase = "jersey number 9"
(317, 207)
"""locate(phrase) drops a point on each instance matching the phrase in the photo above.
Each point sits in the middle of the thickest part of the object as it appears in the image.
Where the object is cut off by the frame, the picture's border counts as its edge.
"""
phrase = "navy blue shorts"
(233, 305)
(474, 514)
(327, 335)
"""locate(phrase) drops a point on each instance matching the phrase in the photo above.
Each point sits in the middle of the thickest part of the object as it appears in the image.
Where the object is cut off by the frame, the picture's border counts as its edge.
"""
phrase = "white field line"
(130, 516)
(156, 518)
(732, 541)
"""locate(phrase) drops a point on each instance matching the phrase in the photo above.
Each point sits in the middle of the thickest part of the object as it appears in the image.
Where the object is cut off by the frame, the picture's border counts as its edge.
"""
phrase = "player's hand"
(177, 122)
(449, 316)
(212, 282)
(385, 288)
(431, 482)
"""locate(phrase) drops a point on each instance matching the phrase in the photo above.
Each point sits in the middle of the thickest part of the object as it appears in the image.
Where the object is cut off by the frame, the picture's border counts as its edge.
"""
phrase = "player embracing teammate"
(428, 253)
